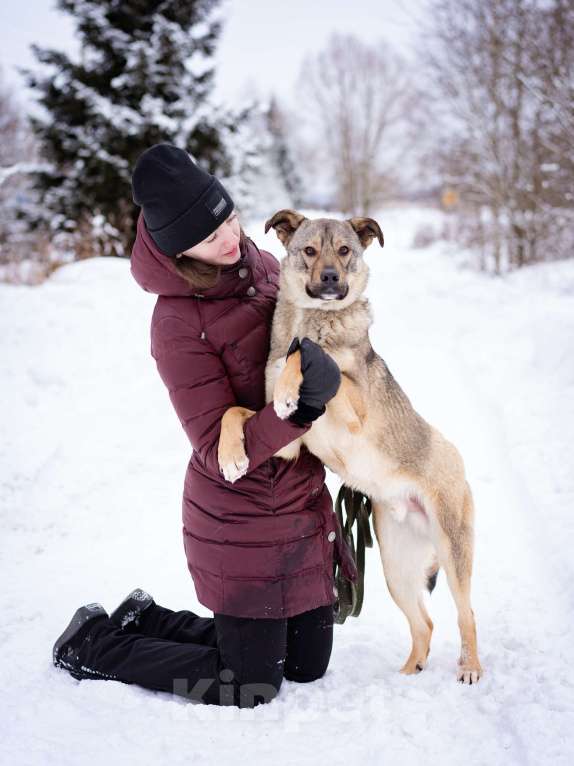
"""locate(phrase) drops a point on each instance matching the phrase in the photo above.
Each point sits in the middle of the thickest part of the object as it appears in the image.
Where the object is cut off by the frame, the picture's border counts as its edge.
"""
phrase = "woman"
(260, 551)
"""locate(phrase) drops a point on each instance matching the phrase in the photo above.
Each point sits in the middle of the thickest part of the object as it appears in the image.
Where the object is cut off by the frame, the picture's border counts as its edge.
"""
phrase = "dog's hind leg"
(454, 544)
(409, 559)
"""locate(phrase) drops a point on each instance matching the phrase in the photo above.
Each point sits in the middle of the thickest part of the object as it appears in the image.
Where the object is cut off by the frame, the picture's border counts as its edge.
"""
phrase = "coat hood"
(156, 273)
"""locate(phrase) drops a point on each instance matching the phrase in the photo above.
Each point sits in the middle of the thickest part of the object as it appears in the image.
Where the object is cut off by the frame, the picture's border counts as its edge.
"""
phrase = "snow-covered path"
(93, 460)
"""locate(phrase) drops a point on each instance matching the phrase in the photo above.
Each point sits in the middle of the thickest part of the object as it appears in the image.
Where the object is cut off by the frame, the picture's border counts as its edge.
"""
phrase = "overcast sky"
(262, 46)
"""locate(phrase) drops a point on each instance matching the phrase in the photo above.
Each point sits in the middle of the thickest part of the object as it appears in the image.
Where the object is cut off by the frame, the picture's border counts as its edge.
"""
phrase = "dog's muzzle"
(330, 288)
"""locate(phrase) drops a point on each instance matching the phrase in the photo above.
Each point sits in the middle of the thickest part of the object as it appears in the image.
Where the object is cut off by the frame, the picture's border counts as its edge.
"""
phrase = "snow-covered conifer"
(282, 152)
(144, 75)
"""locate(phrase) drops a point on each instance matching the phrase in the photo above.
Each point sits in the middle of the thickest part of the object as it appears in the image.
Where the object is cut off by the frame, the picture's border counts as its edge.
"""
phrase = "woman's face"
(222, 247)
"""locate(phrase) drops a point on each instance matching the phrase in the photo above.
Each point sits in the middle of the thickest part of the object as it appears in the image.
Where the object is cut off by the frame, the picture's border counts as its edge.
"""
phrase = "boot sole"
(131, 607)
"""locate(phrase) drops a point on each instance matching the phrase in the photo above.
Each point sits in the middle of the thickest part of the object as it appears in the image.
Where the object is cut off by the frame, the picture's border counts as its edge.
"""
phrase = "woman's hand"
(321, 380)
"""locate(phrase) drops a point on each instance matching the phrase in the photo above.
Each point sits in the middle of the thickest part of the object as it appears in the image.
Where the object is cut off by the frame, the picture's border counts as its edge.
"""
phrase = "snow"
(93, 461)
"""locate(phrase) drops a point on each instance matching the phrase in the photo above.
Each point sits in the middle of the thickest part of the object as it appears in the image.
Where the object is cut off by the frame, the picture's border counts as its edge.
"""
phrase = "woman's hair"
(200, 274)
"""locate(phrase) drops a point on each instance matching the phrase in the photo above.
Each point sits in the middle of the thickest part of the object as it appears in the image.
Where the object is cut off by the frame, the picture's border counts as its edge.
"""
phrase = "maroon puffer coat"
(263, 546)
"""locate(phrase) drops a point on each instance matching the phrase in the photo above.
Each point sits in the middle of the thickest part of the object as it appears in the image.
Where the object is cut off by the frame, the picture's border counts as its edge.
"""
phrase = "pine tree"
(244, 144)
(145, 75)
(256, 180)
(282, 154)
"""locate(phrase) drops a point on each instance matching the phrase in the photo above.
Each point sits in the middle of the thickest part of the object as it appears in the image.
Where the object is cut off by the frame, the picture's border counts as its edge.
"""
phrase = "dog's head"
(324, 267)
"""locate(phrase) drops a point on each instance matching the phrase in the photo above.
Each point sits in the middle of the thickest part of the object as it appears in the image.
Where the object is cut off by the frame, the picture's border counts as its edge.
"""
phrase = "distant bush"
(425, 236)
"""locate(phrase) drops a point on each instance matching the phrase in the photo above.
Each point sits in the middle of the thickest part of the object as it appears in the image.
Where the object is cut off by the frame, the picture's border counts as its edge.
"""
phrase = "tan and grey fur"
(370, 435)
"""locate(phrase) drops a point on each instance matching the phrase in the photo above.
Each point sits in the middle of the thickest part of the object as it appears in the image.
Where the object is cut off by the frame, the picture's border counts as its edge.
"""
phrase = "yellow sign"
(449, 198)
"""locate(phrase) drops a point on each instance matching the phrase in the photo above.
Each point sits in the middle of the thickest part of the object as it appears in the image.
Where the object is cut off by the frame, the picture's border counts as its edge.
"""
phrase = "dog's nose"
(329, 275)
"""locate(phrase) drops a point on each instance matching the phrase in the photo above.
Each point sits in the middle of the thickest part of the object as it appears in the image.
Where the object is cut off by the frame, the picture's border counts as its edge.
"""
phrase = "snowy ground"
(93, 459)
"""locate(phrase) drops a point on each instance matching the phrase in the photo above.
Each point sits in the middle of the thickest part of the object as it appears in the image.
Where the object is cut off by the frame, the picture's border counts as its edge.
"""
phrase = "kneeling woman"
(260, 551)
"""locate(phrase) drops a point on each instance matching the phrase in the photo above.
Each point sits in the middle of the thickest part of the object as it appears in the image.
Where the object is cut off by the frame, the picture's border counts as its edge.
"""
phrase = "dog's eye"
(344, 250)
(310, 250)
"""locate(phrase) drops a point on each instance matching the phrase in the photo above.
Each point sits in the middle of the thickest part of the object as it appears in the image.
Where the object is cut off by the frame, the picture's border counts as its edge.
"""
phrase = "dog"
(370, 435)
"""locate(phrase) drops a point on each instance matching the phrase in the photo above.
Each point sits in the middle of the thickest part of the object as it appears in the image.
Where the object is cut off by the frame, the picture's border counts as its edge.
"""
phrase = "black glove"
(321, 381)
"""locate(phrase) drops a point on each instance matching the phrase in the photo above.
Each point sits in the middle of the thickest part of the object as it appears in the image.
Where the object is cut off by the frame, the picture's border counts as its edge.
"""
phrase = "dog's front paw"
(285, 406)
(235, 469)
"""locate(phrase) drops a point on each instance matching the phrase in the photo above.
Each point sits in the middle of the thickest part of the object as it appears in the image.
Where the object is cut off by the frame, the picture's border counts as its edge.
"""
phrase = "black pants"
(219, 660)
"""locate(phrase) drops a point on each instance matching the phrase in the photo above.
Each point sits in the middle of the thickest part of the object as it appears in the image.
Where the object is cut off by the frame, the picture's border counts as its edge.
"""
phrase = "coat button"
(331, 536)
(251, 291)
(243, 272)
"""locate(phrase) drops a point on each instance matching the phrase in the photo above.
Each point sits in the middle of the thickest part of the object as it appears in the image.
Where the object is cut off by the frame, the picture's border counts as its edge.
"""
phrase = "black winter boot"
(131, 608)
(65, 653)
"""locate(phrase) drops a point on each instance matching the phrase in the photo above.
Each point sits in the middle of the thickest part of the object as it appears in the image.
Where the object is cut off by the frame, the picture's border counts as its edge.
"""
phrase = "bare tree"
(356, 97)
(501, 74)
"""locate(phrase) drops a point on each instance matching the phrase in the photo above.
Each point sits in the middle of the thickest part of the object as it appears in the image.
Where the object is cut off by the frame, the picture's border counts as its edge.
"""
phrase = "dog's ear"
(367, 229)
(285, 223)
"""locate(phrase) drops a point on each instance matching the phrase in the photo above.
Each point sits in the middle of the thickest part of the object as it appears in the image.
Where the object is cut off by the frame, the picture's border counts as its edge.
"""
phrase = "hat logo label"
(219, 208)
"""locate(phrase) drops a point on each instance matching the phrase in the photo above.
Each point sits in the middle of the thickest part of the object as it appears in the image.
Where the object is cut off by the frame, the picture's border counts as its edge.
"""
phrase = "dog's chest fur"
(343, 334)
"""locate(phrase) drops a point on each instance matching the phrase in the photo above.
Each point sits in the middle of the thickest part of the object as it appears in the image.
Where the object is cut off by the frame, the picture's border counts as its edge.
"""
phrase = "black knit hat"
(182, 204)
